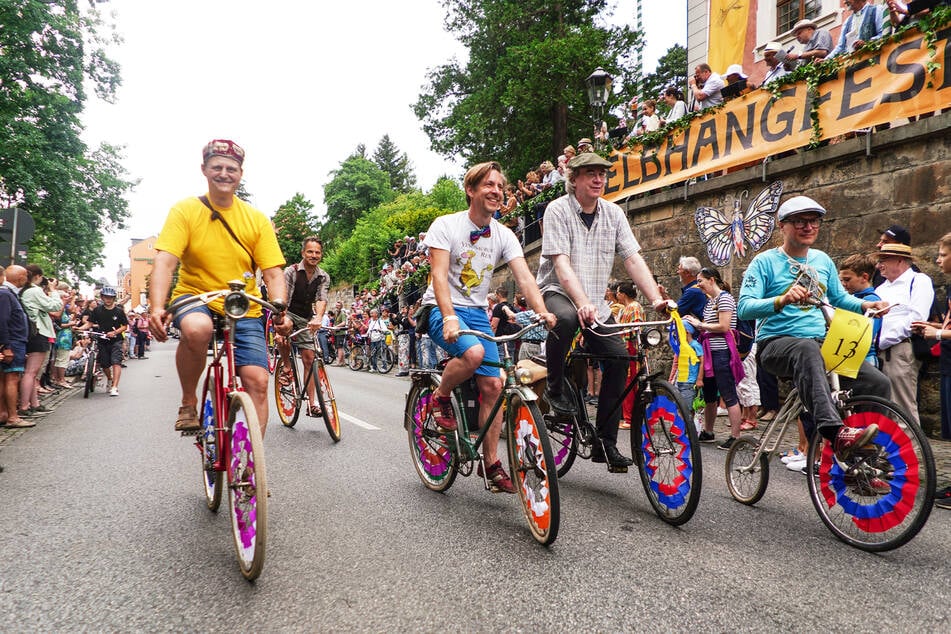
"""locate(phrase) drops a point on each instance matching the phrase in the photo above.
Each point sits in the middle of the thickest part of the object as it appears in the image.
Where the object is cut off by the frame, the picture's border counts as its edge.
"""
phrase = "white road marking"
(356, 421)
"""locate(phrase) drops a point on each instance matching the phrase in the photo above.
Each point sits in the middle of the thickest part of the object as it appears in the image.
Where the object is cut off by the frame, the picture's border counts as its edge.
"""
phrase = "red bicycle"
(230, 439)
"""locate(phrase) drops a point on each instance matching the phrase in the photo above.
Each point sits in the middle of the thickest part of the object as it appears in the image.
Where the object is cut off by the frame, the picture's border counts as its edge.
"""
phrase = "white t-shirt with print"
(471, 264)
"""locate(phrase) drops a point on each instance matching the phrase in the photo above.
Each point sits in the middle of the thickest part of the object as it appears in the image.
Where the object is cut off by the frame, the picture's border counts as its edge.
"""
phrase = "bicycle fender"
(526, 393)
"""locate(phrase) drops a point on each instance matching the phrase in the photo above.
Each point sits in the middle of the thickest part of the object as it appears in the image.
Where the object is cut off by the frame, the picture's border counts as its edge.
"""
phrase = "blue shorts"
(18, 364)
(469, 319)
(250, 347)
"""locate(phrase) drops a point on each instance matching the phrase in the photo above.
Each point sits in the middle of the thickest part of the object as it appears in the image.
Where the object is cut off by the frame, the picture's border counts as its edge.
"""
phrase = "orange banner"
(880, 87)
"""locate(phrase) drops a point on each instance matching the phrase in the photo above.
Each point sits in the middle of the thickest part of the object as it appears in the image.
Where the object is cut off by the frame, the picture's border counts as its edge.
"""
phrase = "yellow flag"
(727, 35)
(681, 347)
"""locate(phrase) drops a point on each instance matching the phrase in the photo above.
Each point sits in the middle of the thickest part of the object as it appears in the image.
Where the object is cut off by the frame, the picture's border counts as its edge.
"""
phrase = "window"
(788, 12)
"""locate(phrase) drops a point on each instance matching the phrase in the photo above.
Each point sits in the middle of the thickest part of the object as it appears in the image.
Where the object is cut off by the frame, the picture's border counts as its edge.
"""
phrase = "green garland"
(524, 209)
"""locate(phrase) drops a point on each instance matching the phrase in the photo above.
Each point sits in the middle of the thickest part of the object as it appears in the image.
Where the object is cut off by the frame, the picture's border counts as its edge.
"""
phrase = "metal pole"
(13, 236)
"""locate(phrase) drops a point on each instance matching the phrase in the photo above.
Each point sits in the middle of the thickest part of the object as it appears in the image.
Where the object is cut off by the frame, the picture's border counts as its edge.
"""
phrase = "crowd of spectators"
(45, 340)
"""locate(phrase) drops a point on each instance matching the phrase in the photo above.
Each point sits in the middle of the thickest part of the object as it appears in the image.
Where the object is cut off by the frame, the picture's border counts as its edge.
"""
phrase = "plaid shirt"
(590, 251)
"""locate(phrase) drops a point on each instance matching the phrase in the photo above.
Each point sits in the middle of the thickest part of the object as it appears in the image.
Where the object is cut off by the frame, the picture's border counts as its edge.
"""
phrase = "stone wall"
(901, 175)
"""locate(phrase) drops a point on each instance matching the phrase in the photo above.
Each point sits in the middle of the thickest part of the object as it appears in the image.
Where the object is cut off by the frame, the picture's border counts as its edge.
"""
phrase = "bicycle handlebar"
(624, 327)
(182, 303)
(505, 338)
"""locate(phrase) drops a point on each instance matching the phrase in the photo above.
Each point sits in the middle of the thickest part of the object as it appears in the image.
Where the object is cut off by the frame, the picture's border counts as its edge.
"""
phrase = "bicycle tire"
(899, 455)
(287, 397)
(211, 478)
(384, 361)
(435, 462)
(89, 385)
(746, 481)
(667, 454)
(327, 401)
(532, 468)
(247, 490)
(355, 359)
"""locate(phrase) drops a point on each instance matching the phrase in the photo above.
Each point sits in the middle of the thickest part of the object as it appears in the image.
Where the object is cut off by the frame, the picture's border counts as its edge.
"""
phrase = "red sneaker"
(442, 413)
(851, 438)
(499, 481)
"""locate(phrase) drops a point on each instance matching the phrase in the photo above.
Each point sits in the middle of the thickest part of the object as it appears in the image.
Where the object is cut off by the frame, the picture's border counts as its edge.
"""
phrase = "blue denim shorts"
(250, 347)
(469, 319)
(18, 364)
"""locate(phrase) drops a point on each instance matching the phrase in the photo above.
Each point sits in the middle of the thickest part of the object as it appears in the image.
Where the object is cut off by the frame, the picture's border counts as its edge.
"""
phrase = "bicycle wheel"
(287, 395)
(210, 478)
(880, 498)
(665, 448)
(434, 460)
(746, 476)
(533, 469)
(355, 359)
(247, 490)
(89, 385)
(328, 404)
(384, 360)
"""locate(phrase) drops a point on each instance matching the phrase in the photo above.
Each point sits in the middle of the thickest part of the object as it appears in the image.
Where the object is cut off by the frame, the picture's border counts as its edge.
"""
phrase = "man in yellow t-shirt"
(196, 236)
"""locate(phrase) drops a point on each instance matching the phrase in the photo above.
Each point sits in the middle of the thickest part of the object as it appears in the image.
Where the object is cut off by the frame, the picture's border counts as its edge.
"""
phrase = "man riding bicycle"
(111, 320)
(464, 249)
(217, 238)
(307, 287)
(583, 232)
(780, 290)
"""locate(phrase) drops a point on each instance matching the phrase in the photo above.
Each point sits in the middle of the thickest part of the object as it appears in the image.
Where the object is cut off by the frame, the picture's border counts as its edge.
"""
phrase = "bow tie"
(479, 233)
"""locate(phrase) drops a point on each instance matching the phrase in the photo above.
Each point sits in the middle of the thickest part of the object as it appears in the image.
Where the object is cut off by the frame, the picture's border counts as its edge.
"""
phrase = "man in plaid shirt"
(582, 235)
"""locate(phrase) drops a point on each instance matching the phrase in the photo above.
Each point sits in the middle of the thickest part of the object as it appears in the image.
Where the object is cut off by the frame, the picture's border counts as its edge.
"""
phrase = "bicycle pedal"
(613, 469)
(190, 432)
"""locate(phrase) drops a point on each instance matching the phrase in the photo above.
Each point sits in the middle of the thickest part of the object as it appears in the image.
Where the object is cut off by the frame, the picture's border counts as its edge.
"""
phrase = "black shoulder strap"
(217, 216)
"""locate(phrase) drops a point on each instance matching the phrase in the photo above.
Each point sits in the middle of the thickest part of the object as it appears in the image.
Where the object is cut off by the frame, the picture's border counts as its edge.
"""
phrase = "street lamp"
(599, 89)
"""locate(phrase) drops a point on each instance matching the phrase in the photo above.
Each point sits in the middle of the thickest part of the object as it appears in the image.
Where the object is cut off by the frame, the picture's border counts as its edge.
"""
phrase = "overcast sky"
(297, 84)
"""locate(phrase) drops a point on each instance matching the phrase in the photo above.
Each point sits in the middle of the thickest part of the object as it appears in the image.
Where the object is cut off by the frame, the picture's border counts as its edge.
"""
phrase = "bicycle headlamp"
(236, 305)
(524, 376)
(652, 337)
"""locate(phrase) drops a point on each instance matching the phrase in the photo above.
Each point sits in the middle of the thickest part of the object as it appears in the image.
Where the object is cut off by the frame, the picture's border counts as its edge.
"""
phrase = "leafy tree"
(671, 71)
(355, 188)
(520, 96)
(389, 159)
(293, 222)
(51, 52)
(242, 192)
(359, 258)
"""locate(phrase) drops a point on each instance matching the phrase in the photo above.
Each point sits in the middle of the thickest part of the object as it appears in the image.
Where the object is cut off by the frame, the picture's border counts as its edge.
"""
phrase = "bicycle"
(843, 493)
(663, 436)
(439, 456)
(359, 355)
(230, 439)
(93, 371)
(290, 395)
(270, 341)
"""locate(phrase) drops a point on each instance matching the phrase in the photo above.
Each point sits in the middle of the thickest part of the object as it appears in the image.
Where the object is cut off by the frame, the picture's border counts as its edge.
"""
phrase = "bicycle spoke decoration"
(666, 449)
(434, 457)
(243, 487)
(531, 472)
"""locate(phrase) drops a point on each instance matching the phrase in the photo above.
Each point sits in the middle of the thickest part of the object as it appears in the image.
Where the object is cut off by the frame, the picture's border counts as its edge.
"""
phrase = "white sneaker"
(722, 411)
(114, 392)
(797, 465)
(795, 456)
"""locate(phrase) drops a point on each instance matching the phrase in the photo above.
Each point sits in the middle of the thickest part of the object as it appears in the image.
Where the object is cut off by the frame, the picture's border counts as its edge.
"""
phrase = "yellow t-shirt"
(209, 256)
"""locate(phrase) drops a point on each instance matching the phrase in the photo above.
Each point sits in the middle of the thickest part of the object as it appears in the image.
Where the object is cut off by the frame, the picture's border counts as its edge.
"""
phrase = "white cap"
(798, 205)
(735, 69)
(772, 46)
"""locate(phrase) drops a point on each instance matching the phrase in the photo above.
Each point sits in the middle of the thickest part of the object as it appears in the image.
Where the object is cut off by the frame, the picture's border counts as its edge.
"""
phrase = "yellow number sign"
(847, 342)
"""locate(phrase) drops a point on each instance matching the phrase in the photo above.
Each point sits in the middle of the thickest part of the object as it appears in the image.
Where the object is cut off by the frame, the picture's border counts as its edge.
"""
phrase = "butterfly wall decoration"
(725, 236)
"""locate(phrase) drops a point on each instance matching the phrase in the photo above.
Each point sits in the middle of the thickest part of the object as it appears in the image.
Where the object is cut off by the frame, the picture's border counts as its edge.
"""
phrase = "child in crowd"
(688, 389)
(856, 273)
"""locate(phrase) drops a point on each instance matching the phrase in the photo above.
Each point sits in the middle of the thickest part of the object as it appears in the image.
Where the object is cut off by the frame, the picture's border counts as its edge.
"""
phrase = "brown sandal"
(187, 419)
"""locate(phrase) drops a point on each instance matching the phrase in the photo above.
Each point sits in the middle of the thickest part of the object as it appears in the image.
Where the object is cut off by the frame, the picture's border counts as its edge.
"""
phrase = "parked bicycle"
(663, 437)
(230, 439)
(877, 500)
(439, 456)
(359, 356)
(291, 380)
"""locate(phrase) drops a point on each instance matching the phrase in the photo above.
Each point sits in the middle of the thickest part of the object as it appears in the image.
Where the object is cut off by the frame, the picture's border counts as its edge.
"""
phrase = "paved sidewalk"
(52, 401)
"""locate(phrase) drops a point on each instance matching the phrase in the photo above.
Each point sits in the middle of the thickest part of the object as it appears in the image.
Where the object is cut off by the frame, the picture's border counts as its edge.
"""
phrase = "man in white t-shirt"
(464, 249)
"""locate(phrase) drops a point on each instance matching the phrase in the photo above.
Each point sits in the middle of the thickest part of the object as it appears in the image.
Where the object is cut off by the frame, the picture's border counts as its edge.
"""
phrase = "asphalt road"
(105, 529)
